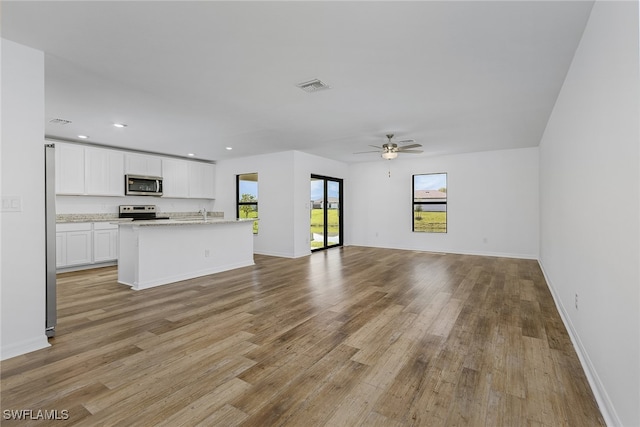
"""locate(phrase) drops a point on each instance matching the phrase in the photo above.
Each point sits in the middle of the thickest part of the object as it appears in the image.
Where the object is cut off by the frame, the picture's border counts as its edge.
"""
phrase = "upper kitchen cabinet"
(175, 178)
(104, 172)
(188, 179)
(142, 164)
(202, 180)
(93, 171)
(89, 171)
(69, 169)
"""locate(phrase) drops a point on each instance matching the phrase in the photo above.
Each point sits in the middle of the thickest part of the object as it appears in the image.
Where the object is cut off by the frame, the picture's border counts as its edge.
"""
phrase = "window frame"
(239, 204)
(325, 213)
(439, 202)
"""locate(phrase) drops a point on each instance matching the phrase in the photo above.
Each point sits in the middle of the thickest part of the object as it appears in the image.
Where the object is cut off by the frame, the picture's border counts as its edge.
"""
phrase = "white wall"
(590, 216)
(23, 234)
(275, 198)
(284, 192)
(305, 165)
(491, 195)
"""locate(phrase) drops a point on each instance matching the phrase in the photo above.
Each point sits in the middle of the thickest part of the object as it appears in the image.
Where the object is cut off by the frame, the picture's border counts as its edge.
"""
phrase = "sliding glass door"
(325, 212)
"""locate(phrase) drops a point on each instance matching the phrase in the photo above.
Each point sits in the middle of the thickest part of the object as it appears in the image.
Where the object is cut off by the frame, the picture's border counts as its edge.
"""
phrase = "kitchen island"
(158, 252)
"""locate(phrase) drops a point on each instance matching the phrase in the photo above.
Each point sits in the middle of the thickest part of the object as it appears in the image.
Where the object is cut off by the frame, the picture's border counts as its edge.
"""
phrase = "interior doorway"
(325, 212)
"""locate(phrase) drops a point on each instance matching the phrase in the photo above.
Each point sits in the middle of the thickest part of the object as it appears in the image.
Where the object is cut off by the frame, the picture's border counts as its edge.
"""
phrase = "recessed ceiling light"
(120, 125)
(229, 148)
(83, 137)
(191, 154)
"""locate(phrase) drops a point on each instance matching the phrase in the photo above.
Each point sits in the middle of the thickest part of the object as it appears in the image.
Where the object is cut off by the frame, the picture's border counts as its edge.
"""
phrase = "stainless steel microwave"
(138, 185)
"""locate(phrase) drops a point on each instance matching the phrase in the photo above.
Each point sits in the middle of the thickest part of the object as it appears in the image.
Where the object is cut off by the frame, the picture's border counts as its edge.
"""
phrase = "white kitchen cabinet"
(105, 242)
(175, 178)
(79, 247)
(89, 171)
(202, 180)
(143, 164)
(93, 171)
(104, 172)
(75, 244)
(61, 249)
(70, 169)
(188, 179)
(81, 244)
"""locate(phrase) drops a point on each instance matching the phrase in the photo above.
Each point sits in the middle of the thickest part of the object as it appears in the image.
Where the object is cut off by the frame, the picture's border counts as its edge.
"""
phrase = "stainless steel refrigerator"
(50, 227)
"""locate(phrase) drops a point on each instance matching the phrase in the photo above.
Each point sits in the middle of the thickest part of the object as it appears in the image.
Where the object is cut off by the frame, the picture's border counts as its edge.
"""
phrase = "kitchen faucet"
(204, 214)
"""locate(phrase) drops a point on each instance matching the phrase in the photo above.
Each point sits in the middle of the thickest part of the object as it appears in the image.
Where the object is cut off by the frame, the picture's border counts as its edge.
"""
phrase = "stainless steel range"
(140, 212)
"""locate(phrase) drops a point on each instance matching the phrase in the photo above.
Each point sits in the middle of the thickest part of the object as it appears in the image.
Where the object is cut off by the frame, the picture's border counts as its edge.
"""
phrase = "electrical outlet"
(207, 253)
(576, 301)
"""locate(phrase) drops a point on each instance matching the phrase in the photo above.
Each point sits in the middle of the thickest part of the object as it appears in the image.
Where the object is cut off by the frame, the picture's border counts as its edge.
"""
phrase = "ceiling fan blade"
(410, 151)
(363, 152)
(404, 147)
(375, 146)
(405, 141)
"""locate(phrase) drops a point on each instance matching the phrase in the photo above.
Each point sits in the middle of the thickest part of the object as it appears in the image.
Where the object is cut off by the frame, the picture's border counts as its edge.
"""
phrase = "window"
(247, 197)
(430, 203)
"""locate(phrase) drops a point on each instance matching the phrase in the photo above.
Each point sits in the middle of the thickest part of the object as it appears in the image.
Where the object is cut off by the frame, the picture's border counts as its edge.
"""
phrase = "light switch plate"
(11, 204)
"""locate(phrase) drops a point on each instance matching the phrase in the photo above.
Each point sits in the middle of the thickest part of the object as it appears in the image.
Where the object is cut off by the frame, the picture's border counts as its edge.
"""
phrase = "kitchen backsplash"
(109, 205)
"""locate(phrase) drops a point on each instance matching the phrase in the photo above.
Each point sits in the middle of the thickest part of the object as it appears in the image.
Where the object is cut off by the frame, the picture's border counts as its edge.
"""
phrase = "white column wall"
(275, 198)
(283, 197)
(22, 286)
(590, 207)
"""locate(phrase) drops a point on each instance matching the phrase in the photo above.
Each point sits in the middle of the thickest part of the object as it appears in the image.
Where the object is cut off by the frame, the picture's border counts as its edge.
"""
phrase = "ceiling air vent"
(60, 121)
(313, 85)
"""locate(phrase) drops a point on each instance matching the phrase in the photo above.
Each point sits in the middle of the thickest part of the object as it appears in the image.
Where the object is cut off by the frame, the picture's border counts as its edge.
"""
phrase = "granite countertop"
(71, 218)
(184, 221)
(110, 217)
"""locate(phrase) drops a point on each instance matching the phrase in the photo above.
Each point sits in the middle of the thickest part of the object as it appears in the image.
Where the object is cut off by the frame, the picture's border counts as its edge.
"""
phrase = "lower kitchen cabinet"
(61, 249)
(80, 244)
(105, 242)
(74, 244)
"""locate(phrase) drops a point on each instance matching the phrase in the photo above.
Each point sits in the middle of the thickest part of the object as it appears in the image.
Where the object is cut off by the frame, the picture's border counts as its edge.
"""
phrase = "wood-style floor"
(346, 337)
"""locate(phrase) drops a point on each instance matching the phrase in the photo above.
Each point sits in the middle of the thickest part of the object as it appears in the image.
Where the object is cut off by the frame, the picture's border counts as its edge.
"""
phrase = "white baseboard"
(185, 276)
(86, 266)
(600, 393)
(26, 346)
(456, 252)
(276, 254)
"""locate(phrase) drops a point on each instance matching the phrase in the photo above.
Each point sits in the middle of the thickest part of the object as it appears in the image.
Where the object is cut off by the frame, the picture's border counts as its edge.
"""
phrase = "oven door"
(137, 185)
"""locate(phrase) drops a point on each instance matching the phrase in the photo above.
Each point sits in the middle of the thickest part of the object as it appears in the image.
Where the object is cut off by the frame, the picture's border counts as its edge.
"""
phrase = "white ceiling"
(201, 76)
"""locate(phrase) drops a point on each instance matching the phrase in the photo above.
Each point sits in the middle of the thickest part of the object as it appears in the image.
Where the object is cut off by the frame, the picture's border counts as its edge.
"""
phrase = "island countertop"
(185, 221)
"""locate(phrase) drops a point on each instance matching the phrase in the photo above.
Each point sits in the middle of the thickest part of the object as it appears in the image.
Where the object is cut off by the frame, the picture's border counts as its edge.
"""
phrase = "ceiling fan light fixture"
(388, 155)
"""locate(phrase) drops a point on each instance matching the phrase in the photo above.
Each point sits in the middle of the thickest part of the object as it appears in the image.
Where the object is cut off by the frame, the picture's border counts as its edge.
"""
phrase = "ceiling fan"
(390, 150)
